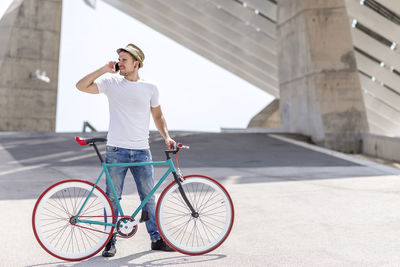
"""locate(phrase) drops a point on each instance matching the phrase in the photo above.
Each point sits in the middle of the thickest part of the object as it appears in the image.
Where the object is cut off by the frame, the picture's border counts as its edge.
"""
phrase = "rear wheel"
(53, 223)
(194, 235)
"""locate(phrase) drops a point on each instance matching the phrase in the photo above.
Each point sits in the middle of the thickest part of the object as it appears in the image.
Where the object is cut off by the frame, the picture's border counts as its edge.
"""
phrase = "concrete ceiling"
(377, 61)
(239, 37)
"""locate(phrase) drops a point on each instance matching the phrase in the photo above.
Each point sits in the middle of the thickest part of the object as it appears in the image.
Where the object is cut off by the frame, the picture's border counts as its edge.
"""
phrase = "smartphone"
(116, 67)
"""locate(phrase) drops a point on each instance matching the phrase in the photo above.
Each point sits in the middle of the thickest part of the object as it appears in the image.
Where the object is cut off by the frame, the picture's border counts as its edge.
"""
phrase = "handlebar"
(180, 146)
(92, 141)
(175, 149)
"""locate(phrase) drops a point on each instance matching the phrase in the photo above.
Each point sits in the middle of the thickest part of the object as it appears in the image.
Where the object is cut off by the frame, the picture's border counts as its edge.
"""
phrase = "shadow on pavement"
(234, 150)
(33, 161)
(177, 259)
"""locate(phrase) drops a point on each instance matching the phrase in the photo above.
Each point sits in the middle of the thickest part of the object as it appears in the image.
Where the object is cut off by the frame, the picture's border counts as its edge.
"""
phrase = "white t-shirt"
(129, 104)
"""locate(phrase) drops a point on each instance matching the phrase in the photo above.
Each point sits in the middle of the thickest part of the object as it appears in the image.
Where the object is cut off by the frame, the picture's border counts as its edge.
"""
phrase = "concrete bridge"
(333, 66)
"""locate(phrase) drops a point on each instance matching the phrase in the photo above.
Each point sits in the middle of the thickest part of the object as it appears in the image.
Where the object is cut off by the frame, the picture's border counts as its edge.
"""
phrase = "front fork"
(179, 179)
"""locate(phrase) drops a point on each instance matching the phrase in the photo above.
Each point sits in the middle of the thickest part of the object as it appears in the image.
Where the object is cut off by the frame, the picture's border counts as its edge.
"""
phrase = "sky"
(195, 94)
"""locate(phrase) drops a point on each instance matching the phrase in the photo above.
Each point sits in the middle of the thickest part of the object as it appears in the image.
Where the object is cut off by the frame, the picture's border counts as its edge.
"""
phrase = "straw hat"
(135, 51)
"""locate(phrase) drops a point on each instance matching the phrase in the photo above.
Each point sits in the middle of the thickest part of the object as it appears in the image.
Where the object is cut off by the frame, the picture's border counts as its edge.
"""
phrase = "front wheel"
(195, 235)
(53, 220)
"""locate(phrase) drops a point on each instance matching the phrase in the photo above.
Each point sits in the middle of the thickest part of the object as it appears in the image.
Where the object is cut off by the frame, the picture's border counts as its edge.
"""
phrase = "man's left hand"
(169, 142)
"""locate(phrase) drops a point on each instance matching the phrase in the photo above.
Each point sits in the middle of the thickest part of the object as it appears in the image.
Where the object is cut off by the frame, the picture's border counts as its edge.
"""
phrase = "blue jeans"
(144, 179)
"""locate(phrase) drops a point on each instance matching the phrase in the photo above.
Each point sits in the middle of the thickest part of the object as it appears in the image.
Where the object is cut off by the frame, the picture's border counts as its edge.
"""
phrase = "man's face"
(126, 63)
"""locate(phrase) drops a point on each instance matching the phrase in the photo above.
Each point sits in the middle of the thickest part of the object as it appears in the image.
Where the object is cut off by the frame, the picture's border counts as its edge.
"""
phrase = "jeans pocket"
(111, 149)
(112, 154)
(142, 155)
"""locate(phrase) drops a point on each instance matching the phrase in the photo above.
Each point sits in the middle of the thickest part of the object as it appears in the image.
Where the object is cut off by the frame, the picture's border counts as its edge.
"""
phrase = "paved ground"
(295, 204)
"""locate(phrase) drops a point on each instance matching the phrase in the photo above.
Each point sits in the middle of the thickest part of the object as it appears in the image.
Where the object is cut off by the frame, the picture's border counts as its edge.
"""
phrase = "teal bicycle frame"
(171, 168)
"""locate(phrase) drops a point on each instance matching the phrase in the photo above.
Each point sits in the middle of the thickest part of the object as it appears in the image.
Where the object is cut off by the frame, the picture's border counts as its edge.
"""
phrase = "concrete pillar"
(320, 91)
(29, 46)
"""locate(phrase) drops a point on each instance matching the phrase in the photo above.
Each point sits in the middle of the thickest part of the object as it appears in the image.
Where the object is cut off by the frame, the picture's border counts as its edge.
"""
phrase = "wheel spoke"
(81, 199)
(210, 225)
(179, 204)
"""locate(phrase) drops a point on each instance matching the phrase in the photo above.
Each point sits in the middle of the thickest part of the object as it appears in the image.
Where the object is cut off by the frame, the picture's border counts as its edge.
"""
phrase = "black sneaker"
(109, 250)
(161, 245)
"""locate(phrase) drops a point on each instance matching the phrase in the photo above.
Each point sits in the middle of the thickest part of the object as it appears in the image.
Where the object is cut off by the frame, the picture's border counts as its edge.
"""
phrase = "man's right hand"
(109, 67)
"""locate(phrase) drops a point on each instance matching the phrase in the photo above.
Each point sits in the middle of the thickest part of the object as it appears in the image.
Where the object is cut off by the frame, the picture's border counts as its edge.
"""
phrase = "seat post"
(98, 153)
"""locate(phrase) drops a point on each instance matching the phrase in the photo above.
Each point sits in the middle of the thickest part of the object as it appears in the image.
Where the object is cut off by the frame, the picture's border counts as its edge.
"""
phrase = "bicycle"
(73, 219)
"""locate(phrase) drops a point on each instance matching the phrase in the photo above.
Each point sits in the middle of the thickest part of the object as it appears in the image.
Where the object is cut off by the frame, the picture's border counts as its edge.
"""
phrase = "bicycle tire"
(189, 235)
(55, 208)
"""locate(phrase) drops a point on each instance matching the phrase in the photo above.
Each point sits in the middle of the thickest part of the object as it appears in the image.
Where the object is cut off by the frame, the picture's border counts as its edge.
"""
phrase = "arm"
(87, 84)
(161, 125)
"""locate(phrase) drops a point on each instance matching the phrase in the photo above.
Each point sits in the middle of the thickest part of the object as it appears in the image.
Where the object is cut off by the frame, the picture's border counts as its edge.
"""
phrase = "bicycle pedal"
(144, 217)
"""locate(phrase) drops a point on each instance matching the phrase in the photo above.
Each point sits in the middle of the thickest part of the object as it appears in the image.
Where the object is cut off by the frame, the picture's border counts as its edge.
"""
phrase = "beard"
(125, 73)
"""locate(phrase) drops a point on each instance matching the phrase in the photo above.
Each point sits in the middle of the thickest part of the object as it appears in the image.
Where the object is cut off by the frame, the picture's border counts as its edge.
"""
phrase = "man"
(131, 100)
